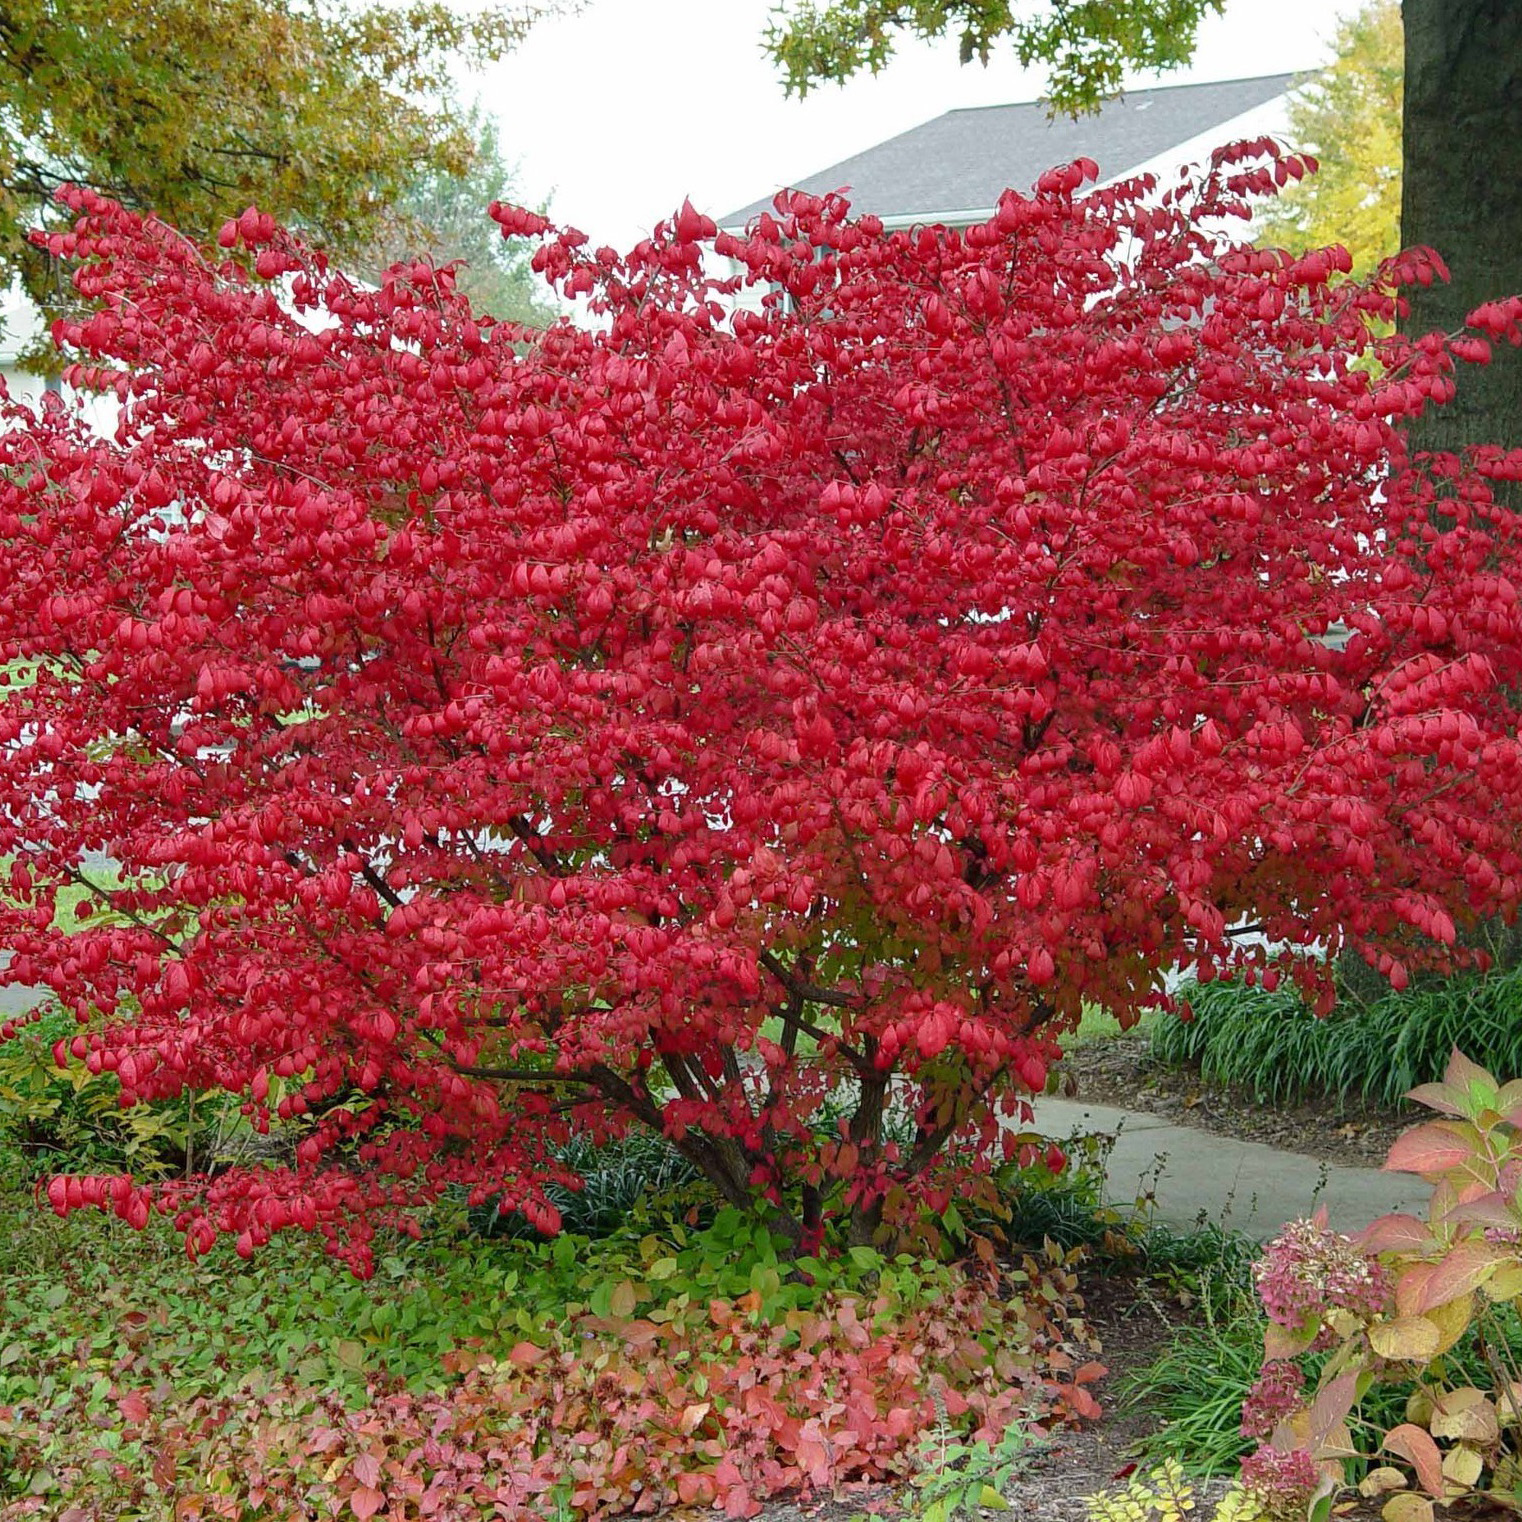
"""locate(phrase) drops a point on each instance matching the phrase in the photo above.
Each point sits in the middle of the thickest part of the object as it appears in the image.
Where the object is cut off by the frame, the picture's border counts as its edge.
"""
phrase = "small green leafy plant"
(1167, 1494)
(959, 1479)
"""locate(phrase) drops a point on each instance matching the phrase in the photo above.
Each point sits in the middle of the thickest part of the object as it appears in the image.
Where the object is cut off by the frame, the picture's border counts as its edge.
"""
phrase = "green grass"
(1099, 1024)
(1272, 1045)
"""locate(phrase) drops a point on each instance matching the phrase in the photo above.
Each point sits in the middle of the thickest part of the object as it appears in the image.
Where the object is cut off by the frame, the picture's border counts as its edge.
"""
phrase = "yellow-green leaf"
(1413, 1338)
(1407, 1506)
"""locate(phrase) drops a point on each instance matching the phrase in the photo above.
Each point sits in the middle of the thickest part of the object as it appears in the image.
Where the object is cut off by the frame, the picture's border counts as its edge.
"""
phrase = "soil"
(1131, 1332)
(1121, 1071)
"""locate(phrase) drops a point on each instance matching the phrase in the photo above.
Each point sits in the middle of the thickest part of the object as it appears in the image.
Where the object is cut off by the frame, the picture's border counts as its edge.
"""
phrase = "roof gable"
(961, 162)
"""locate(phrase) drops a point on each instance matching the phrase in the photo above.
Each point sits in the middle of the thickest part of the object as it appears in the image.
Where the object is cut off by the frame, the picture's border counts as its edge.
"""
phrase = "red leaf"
(696, 1489)
(365, 1502)
(366, 1469)
(1417, 1448)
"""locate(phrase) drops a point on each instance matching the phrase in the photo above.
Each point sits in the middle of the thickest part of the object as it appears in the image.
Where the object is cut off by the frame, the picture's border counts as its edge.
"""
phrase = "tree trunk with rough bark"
(1462, 195)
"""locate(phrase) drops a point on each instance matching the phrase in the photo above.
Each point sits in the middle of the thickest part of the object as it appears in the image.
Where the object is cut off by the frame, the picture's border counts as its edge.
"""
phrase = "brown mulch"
(1120, 1071)
(1131, 1332)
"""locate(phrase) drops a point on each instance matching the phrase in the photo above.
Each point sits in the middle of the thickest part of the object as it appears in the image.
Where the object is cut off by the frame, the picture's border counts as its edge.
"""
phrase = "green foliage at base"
(1272, 1045)
(134, 1382)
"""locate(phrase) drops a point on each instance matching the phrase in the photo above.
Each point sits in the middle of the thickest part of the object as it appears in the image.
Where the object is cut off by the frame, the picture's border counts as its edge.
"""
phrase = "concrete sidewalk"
(1193, 1174)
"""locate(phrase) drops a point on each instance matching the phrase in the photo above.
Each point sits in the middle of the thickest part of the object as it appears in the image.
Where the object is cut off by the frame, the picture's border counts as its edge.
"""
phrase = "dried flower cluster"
(1309, 1270)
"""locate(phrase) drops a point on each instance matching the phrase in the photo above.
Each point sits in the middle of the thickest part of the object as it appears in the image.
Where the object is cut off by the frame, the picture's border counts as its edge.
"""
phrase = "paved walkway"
(1194, 1174)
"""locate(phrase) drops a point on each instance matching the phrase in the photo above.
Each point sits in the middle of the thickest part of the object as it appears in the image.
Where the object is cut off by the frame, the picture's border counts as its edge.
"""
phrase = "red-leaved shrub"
(749, 725)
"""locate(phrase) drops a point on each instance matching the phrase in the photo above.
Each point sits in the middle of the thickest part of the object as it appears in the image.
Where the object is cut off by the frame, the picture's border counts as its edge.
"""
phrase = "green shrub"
(1272, 1045)
(70, 1120)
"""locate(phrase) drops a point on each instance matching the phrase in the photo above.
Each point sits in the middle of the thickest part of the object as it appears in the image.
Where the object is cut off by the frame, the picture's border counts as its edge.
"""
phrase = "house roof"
(960, 163)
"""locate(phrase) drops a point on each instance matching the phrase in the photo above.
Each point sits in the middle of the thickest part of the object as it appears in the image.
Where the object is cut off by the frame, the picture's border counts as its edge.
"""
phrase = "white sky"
(616, 113)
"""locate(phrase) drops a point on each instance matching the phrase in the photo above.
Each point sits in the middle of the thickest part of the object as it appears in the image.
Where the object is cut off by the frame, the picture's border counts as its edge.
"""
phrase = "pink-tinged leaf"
(1432, 1148)
(1461, 1271)
(695, 1489)
(1436, 1096)
(1411, 1289)
(366, 1469)
(1417, 1448)
(1331, 1406)
(738, 1502)
(1489, 1209)
(133, 1407)
(365, 1502)
(1479, 1088)
(1395, 1233)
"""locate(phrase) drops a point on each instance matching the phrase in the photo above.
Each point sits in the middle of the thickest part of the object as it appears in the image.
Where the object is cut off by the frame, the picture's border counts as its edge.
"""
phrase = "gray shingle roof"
(962, 161)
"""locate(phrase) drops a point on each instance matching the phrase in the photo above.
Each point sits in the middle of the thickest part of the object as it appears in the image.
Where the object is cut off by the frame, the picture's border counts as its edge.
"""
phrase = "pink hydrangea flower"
(1308, 1269)
(1272, 1398)
(1282, 1482)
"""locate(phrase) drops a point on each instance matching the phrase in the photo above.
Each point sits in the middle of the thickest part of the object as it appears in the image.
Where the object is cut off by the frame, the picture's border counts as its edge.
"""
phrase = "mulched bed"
(1121, 1071)
(1132, 1332)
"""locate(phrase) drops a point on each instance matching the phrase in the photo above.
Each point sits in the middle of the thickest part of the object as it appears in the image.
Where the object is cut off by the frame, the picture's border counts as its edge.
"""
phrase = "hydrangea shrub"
(1388, 1305)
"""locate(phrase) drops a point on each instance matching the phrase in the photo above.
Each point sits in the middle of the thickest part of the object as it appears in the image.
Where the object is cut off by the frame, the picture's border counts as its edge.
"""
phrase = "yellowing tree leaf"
(1414, 1338)
(1505, 1283)
(1407, 1507)
(1380, 1481)
(1463, 1466)
(1451, 1320)
(1280, 1342)
(1465, 1414)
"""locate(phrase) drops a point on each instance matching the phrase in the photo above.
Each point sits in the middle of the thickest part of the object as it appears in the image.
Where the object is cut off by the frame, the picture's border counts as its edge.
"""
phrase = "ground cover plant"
(476, 1376)
(714, 725)
(1272, 1044)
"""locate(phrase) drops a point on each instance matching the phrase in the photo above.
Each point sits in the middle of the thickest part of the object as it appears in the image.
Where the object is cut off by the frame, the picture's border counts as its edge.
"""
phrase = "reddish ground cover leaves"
(695, 1405)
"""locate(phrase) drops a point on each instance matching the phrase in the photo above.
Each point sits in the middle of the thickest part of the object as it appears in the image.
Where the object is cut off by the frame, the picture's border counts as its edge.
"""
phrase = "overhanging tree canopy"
(1461, 128)
(322, 113)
